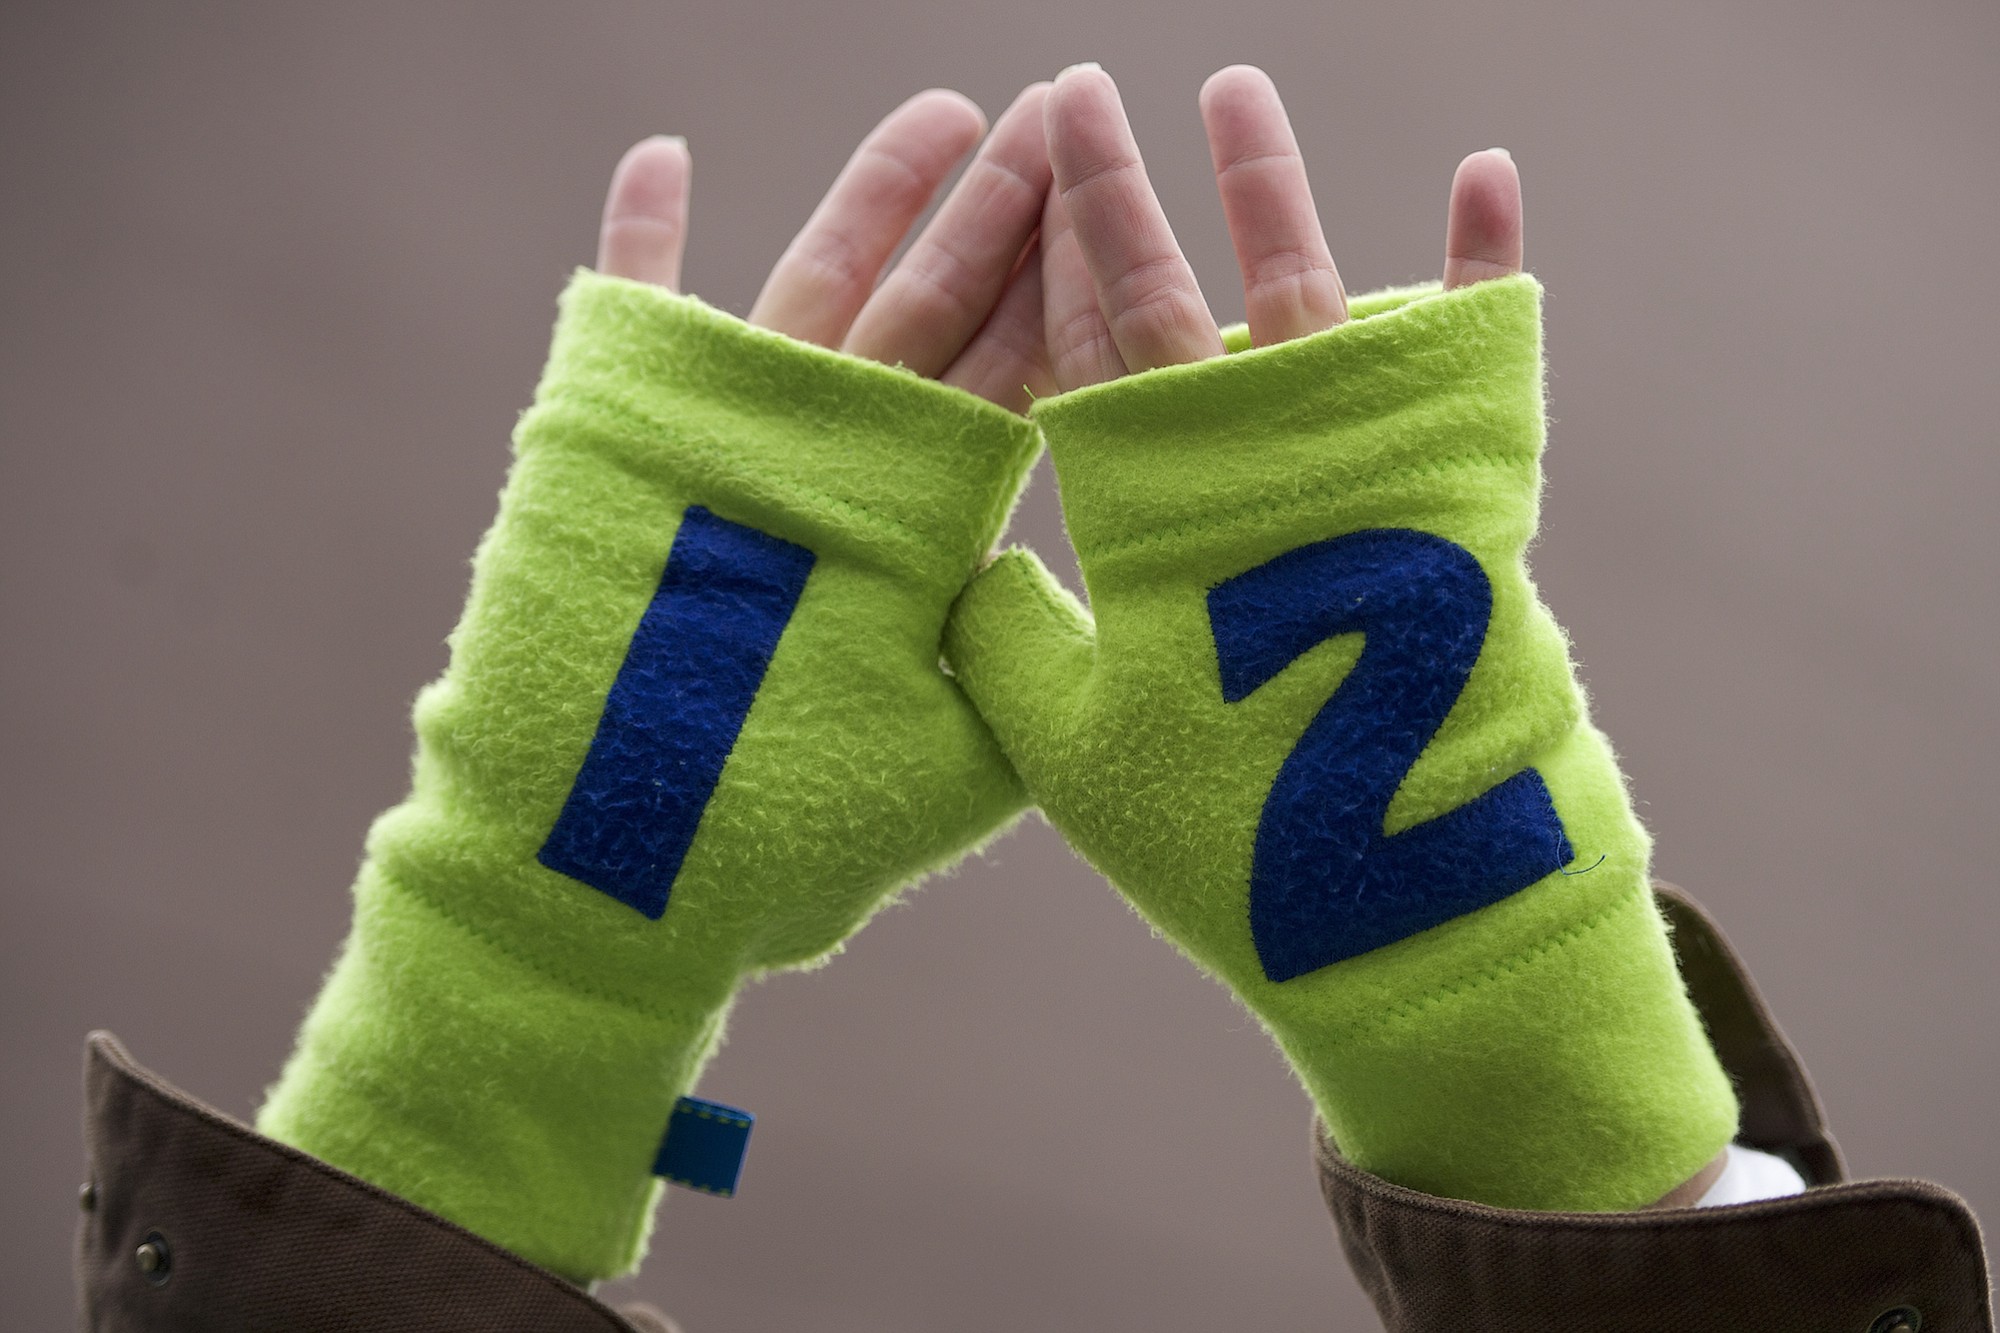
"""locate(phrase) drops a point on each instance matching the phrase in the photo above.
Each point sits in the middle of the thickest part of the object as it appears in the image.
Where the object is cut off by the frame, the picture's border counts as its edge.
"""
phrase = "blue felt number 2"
(673, 714)
(1326, 883)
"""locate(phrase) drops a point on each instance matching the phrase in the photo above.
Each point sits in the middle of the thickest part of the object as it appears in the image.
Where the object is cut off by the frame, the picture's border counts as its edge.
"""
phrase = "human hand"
(1118, 293)
(1316, 724)
(700, 653)
(962, 306)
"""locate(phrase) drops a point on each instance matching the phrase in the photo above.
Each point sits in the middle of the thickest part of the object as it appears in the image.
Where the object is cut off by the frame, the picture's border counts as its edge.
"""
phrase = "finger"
(827, 272)
(1007, 361)
(1483, 231)
(644, 229)
(1151, 301)
(1290, 286)
(1081, 350)
(936, 299)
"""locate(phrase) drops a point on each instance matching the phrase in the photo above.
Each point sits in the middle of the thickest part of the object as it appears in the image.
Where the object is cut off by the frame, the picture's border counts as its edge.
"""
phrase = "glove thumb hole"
(1021, 647)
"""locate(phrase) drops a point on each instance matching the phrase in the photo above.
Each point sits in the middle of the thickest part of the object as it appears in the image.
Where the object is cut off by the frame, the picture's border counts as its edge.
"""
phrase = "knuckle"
(644, 228)
(1163, 317)
(1260, 160)
(1010, 179)
(1106, 173)
(1291, 272)
(1084, 340)
(939, 283)
(895, 176)
(827, 263)
(1148, 282)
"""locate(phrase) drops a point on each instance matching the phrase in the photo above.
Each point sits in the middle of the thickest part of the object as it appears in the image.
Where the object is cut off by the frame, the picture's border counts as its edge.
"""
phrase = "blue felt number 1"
(1326, 883)
(674, 711)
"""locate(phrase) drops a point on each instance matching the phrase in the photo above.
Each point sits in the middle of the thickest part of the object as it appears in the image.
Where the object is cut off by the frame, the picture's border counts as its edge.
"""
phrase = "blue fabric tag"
(704, 1146)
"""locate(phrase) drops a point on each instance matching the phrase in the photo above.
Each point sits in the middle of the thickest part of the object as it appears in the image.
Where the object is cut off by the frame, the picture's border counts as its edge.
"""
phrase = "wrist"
(1570, 1074)
(470, 1079)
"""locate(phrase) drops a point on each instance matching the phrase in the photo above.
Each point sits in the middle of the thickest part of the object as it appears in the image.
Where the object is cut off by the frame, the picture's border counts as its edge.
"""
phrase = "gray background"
(276, 279)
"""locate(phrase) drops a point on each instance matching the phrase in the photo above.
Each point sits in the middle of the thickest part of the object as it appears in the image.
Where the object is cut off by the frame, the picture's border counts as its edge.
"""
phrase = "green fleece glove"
(1327, 740)
(694, 728)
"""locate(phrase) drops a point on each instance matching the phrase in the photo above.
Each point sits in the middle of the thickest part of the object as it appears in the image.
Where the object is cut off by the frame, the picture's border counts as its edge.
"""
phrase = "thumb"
(1021, 647)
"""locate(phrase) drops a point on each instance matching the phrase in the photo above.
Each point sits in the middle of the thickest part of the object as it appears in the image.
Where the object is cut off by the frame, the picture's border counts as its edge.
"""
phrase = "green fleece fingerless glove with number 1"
(1325, 737)
(694, 728)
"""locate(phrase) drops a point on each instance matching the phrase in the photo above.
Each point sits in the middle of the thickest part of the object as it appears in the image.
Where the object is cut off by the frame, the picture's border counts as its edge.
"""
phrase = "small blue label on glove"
(704, 1146)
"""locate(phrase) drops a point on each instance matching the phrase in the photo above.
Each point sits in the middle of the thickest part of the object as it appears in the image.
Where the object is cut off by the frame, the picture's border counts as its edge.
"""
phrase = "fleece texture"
(694, 728)
(1326, 738)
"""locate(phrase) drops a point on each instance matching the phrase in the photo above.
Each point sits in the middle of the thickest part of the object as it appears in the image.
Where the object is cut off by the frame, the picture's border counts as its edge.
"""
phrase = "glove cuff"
(1264, 442)
(835, 452)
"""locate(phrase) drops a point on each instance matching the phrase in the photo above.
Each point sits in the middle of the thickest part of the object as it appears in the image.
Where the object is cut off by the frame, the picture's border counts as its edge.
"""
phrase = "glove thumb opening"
(1021, 647)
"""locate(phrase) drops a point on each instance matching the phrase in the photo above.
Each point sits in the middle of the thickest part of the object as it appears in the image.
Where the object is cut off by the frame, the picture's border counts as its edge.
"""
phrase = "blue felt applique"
(1326, 883)
(704, 1146)
(674, 711)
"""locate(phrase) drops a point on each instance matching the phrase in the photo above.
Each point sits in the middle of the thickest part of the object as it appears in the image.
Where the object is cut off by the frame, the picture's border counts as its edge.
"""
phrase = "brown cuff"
(193, 1221)
(1841, 1258)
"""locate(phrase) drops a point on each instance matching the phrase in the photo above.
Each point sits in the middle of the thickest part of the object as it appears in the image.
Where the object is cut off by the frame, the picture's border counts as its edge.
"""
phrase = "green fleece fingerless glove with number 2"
(1321, 732)
(694, 728)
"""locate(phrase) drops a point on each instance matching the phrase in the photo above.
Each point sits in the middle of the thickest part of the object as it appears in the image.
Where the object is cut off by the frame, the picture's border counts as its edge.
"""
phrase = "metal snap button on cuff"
(155, 1260)
(1902, 1319)
(86, 1198)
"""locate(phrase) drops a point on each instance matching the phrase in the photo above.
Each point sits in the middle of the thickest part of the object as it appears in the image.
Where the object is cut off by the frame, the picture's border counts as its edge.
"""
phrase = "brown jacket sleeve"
(193, 1221)
(1883, 1256)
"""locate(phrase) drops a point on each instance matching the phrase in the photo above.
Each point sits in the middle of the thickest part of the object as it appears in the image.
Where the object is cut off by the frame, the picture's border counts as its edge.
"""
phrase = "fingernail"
(678, 140)
(1080, 66)
(1503, 152)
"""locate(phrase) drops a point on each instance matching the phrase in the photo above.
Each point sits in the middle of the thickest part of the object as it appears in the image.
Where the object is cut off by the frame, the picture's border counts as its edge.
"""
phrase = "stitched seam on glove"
(631, 1004)
(1467, 983)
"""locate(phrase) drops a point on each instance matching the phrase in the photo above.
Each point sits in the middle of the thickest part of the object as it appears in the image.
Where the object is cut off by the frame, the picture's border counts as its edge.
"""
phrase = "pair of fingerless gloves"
(1316, 726)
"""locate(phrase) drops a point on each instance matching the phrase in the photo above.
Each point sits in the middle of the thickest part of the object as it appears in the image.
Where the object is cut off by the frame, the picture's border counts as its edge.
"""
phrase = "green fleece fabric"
(503, 1044)
(1539, 1052)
